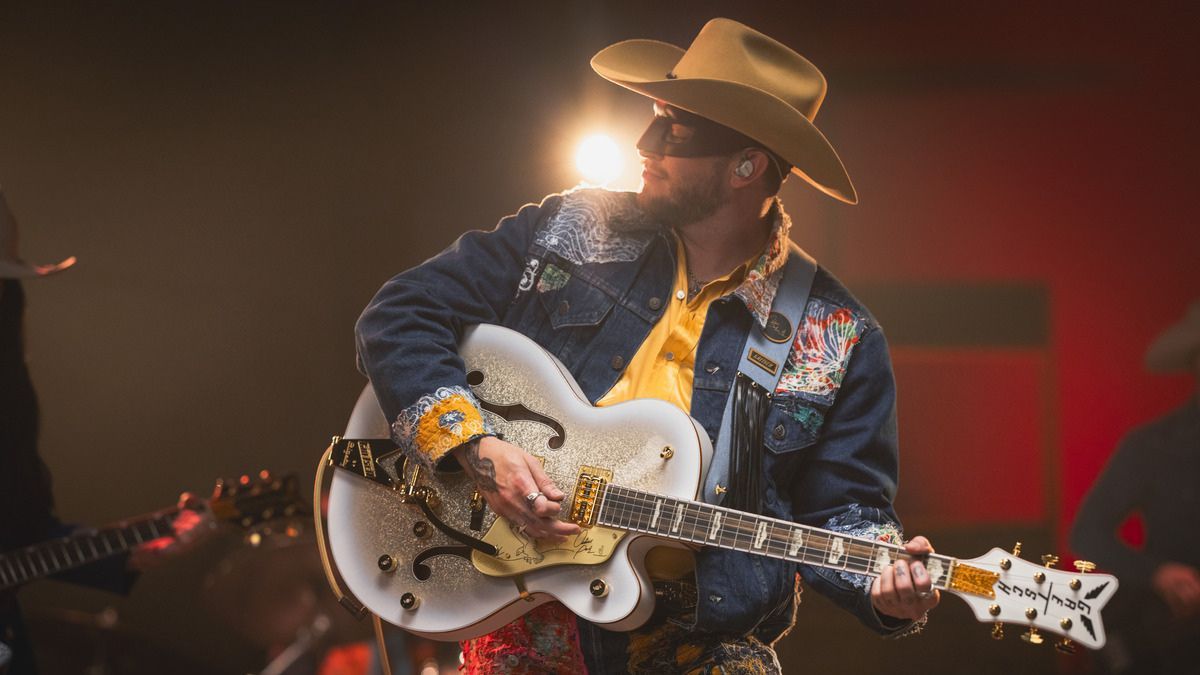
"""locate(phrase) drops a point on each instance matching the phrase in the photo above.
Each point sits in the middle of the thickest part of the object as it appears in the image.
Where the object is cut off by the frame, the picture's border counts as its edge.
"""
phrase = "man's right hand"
(506, 475)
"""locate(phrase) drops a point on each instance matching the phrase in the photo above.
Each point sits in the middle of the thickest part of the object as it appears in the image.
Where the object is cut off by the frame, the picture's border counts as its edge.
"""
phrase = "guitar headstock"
(1002, 588)
(252, 501)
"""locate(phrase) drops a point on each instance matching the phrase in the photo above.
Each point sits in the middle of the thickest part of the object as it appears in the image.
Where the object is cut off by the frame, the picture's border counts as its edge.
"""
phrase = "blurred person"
(654, 294)
(1154, 473)
(26, 501)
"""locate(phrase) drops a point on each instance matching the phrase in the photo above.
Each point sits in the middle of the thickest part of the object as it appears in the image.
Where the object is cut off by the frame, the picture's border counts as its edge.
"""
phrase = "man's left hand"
(905, 590)
(191, 524)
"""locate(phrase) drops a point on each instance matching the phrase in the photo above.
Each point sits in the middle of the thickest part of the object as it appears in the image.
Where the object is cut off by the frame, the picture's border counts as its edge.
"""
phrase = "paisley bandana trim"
(758, 289)
(596, 226)
(439, 422)
(821, 351)
(854, 522)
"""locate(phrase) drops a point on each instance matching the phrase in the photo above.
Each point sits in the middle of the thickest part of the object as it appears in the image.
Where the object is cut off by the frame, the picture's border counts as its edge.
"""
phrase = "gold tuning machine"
(1064, 646)
(1017, 550)
(997, 631)
(1049, 560)
(1085, 566)
(1032, 636)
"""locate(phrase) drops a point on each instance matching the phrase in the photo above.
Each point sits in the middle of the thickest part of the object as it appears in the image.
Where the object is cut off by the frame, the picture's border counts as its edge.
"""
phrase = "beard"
(686, 203)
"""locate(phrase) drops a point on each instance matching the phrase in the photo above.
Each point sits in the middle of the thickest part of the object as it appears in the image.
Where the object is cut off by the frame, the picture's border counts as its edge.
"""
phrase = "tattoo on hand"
(482, 468)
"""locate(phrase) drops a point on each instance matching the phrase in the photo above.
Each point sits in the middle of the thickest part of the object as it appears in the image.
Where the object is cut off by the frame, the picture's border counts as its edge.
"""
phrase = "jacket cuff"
(439, 422)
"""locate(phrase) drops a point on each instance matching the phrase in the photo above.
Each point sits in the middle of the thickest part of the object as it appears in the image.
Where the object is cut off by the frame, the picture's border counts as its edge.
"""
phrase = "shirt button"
(618, 362)
(564, 307)
(513, 660)
(680, 295)
(654, 303)
(779, 432)
(670, 356)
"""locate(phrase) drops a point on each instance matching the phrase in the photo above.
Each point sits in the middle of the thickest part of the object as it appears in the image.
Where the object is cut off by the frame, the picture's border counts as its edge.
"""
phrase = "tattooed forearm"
(480, 468)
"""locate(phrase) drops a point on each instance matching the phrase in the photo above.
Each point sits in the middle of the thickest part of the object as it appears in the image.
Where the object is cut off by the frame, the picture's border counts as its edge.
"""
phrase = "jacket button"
(618, 362)
(654, 303)
(564, 307)
(779, 432)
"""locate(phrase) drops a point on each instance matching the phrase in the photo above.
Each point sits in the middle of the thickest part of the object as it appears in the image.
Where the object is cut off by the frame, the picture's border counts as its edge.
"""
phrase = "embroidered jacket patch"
(821, 351)
(596, 226)
(438, 423)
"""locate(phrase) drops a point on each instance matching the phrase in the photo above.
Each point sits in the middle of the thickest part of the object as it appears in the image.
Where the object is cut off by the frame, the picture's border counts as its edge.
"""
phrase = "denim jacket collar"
(758, 290)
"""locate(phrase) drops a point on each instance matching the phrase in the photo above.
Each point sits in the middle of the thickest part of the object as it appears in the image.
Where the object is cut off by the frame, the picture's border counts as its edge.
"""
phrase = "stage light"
(598, 160)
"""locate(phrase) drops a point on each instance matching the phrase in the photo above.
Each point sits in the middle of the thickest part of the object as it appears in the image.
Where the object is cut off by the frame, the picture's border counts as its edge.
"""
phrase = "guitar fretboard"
(40, 560)
(709, 525)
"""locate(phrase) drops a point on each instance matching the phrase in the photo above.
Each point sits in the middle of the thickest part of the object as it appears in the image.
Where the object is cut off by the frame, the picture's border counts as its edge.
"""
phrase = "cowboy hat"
(738, 77)
(1176, 348)
(11, 265)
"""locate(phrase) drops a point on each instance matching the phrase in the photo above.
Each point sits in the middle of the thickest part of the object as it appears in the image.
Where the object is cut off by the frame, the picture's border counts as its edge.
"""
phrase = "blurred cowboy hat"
(738, 77)
(11, 265)
(1176, 348)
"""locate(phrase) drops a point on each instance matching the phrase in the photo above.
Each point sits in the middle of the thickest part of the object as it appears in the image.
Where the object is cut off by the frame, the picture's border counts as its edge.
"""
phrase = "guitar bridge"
(588, 490)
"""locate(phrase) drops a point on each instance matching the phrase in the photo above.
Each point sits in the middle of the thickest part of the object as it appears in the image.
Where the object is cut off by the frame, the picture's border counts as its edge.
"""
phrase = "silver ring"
(925, 595)
(533, 497)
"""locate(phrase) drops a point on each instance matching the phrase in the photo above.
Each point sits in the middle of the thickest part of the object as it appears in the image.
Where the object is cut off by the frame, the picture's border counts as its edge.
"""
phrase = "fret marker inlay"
(797, 542)
(657, 512)
(882, 559)
(716, 525)
(836, 550)
(761, 535)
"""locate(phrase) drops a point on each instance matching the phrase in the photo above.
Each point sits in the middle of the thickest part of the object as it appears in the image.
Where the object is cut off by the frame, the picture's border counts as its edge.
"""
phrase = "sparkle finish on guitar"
(422, 550)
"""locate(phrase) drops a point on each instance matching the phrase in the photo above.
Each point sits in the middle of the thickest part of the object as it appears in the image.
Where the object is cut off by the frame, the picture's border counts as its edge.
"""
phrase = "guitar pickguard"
(517, 553)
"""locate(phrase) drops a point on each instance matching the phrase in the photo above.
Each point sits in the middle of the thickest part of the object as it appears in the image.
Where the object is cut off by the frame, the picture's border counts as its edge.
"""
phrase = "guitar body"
(439, 588)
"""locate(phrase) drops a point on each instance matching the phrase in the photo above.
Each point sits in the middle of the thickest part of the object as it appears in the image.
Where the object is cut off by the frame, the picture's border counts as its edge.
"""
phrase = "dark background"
(238, 178)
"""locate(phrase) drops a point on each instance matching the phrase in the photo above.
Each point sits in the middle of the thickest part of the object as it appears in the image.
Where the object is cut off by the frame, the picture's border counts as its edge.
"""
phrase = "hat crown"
(730, 51)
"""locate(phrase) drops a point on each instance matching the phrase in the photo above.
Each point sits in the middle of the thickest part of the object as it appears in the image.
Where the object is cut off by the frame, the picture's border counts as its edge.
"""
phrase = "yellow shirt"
(663, 368)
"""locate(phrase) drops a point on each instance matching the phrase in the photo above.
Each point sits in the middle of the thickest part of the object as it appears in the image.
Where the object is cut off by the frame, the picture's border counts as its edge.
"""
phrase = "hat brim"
(22, 270)
(642, 66)
(1175, 350)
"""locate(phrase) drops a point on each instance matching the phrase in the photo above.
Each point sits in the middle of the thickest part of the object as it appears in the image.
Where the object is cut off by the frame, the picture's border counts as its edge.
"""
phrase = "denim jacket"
(586, 275)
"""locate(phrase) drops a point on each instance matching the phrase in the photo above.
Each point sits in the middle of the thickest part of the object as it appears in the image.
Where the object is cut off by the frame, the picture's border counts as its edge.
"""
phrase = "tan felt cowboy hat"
(1177, 347)
(738, 77)
(11, 265)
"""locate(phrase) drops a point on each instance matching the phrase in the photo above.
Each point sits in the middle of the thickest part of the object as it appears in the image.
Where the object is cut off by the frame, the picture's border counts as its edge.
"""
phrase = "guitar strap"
(736, 456)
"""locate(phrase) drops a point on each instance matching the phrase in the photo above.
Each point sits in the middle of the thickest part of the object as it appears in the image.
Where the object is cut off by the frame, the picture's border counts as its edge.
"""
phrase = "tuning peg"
(1064, 646)
(1017, 550)
(1049, 560)
(997, 631)
(1032, 636)
(1085, 566)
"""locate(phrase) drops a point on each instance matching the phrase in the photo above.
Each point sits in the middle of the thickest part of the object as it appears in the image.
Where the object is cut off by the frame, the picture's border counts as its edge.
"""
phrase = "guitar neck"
(44, 559)
(698, 523)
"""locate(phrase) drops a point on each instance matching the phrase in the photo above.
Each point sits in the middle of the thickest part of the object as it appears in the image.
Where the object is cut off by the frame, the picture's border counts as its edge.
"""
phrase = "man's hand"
(1179, 586)
(904, 590)
(191, 524)
(506, 476)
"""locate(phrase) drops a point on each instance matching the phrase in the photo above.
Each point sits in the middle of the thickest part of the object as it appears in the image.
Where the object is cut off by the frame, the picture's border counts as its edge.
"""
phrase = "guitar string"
(636, 503)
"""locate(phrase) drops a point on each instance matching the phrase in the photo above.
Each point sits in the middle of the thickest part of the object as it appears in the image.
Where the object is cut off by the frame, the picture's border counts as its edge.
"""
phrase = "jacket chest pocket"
(572, 309)
(793, 423)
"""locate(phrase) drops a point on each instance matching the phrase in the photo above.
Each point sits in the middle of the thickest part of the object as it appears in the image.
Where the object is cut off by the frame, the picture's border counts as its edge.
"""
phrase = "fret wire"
(4, 573)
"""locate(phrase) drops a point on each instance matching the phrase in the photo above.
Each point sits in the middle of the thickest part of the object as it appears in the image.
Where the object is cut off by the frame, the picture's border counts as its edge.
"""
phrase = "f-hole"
(517, 412)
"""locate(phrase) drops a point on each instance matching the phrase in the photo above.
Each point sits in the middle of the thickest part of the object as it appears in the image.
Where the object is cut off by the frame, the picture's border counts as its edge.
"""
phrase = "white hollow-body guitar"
(422, 550)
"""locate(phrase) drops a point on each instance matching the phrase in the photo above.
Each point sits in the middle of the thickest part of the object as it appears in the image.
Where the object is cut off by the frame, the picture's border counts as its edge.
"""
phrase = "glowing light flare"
(598, 159)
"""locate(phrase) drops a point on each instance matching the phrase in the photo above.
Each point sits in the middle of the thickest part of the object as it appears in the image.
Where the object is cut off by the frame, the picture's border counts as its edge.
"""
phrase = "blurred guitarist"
(1155, 472)
(26, 502)
(654, 294)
